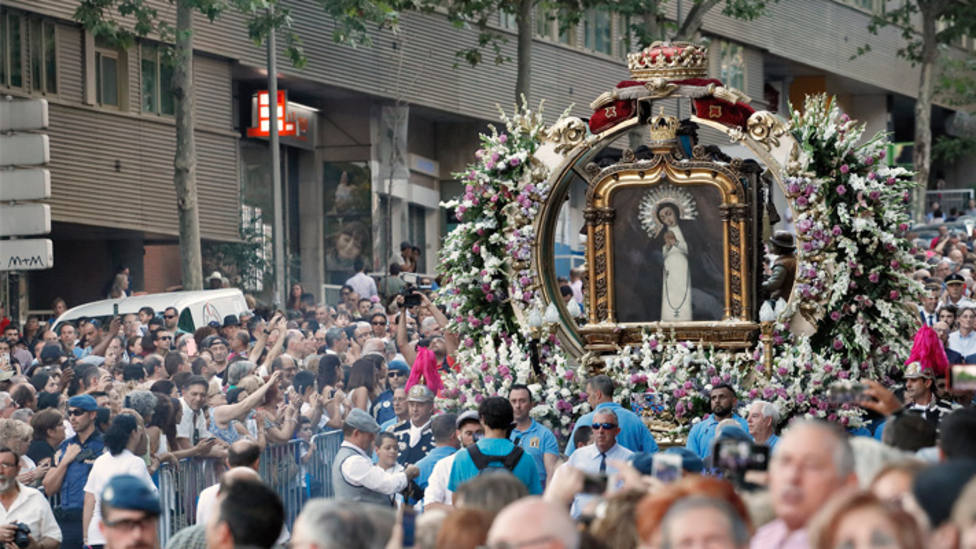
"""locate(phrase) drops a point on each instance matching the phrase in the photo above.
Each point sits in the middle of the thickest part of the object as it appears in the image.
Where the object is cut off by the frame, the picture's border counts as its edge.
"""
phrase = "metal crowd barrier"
(281, 468)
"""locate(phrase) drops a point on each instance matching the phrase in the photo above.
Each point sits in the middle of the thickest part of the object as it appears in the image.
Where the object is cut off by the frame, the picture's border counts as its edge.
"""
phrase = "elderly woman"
(17, 436)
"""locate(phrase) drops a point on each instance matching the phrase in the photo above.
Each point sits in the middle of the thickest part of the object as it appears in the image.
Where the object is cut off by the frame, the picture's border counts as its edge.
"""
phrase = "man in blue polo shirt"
(723, 401)
(534, 438)
(443, 427)
(74, 461)
(634, 435)
(495, 450)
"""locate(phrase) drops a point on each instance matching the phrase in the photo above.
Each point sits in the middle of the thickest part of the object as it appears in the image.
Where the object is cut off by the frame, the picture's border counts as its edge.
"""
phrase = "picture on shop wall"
(348, 218)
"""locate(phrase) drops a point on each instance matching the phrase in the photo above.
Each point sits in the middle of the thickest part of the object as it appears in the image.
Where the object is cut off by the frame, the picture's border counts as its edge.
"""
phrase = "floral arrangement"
(851, 223)
(485, 266)
(852, 218)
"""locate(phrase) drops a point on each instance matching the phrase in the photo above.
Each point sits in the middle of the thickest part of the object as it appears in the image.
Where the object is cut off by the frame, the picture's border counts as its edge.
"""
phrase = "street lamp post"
(278, 235)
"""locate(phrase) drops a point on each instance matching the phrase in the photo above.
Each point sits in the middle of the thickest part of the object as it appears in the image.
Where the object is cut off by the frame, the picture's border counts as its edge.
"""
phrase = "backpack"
(481, 461)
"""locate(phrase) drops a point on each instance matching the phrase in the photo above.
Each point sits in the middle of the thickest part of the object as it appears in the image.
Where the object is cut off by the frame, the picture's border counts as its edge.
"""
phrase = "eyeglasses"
(131, 524)
(8, 465)
(604, 426)
(77, 412)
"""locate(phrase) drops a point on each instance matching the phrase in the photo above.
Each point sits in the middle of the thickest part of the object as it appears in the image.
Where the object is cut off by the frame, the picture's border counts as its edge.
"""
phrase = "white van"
(196, 308)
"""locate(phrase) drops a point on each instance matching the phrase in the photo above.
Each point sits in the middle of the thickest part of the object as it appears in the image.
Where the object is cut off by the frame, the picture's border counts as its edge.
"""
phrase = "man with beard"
(130, 514)
(219, 351)
(74, 462)
(25, 505)
(723, 402)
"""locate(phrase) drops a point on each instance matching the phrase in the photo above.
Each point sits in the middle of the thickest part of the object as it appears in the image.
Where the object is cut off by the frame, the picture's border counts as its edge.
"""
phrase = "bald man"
(532, 520)
(242, 456)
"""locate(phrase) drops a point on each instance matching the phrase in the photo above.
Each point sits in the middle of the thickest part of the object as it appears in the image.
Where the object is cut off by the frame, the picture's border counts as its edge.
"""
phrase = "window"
(544, 23)
(43, 56)
(507, 20)
(732, 65)
(11, 50)
(597, 32)
(624, 37)
(108, 76)
(157, 77)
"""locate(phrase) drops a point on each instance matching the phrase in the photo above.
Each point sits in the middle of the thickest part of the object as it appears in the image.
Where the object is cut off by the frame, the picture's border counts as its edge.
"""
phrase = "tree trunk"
(923, 109)
(185, 161)
(652, 28)
(522, 80)
(693, 21)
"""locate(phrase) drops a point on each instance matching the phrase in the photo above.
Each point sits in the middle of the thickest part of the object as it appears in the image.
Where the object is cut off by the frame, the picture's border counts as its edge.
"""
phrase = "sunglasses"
(604, 426)
(395, 374)
(169, 316)
(77, 412)
(379, 324)
(165, 338)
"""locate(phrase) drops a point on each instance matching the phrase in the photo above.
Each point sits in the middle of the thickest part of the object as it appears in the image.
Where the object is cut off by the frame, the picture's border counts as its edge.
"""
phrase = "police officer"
(74, 461)
(130, 514)
(354, 476)
(414, 436)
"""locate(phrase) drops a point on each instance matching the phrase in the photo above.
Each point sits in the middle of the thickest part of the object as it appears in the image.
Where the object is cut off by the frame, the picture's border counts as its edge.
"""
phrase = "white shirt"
(185, 427)
(963, 345)
(363, 284)
(436, 491)
(359, 470)
(32, 508)
(104, 468)
(416, 432)
(588, 459)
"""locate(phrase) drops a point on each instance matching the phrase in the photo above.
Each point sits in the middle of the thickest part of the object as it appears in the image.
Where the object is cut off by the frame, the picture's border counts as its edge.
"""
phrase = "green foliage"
(958, 19)
(950, 149)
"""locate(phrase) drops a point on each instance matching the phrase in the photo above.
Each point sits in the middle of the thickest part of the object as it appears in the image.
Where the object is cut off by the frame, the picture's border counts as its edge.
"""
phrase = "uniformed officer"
(74, 461)
(397, 374)
(354, 476)
(130, 513)
(414, 436)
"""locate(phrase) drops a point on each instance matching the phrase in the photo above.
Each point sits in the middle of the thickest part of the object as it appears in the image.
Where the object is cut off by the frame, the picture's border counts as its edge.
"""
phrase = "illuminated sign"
(296, 122)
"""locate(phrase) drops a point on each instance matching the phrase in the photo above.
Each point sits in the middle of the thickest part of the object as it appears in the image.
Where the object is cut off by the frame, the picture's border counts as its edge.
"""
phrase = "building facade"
(377, 132)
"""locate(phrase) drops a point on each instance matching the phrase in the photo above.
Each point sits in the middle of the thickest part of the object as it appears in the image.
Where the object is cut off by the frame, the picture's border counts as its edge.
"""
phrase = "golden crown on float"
(669, 60)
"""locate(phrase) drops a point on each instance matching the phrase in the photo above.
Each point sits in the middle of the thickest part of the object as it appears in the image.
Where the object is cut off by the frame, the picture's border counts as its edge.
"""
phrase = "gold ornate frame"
(568, 153)
(603, 332)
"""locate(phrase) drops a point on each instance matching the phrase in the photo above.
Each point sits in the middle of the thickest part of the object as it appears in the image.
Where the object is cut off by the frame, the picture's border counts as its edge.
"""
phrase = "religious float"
(679, 292)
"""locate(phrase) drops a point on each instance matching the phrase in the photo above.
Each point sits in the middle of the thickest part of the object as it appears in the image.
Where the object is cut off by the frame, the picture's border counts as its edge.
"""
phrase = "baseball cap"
(83, 402)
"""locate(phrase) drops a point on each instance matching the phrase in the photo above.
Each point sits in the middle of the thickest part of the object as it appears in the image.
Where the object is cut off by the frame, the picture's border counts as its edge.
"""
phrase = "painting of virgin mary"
(668, 254)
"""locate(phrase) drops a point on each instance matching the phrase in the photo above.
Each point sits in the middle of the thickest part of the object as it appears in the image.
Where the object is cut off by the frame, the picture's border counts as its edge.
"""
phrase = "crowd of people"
(91, 410)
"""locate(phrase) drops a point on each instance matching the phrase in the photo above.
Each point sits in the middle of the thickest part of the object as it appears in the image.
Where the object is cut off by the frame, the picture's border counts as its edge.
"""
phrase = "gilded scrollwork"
(567, 133)
(767, 128)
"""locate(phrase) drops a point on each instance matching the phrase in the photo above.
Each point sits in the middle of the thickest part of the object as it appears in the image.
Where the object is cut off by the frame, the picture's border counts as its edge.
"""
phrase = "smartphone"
(843, 392)
(962, 377)
(734, 457)
(666, 467)
(594, 483)
(115, 309)
(409, 526)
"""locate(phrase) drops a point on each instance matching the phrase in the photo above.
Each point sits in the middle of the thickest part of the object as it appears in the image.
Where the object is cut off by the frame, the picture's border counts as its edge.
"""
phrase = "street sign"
(29, 114)
(26, 255)
(24, 219)
(24, 149)
(26, 184)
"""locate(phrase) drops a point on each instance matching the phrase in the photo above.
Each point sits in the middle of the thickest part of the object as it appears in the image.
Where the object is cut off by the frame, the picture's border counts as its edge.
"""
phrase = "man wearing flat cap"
(130, 513)
(354, 476)
(414, 436)
(783, 270)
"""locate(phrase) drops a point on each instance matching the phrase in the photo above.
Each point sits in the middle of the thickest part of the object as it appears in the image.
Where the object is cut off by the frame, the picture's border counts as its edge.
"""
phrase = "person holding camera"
(26, 519)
